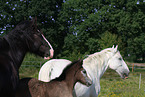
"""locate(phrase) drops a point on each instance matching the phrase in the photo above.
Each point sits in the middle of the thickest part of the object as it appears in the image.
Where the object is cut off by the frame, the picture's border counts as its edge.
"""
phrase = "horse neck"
(97, 65)
(70, 79)
(17, 50)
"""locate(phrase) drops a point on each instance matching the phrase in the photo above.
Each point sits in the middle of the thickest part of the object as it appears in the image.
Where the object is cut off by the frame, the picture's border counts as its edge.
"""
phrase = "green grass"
(29, 72)
(31, 66)
(113, 86)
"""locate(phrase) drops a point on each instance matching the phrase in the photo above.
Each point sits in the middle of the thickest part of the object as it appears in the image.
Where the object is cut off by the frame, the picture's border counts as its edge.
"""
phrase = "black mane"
(18, 38)
(23, 25)
(23, 29)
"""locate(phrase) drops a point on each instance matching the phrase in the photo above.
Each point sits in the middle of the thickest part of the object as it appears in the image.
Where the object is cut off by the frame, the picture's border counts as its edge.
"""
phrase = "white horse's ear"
(115, 49)
(113, 46)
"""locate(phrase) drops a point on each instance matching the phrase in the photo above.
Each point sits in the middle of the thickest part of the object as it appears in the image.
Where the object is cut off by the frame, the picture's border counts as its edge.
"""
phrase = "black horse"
(25, 37)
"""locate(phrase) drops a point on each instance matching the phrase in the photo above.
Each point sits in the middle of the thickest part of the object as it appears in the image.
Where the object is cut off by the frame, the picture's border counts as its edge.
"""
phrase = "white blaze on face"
(51, 49)
(47, 41)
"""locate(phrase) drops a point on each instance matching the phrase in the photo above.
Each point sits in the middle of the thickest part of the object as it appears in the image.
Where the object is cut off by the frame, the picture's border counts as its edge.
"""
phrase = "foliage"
(81, 26)
(32, 59)
(31, 65)
(89, 20)
(138, 46)
(108, 40)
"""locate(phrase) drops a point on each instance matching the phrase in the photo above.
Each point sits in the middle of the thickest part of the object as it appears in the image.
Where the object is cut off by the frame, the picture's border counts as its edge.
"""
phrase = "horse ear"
(113, 46)
(80, 61)
(115, 49)
(34, 21)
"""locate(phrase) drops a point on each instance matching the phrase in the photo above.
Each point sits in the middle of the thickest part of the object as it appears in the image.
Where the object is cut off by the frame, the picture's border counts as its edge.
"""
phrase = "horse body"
(59, 87)
(13, 47)
(95, 65)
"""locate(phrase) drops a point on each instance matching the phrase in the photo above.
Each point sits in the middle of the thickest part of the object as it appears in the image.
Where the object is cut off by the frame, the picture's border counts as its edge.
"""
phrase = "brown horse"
(59, 87)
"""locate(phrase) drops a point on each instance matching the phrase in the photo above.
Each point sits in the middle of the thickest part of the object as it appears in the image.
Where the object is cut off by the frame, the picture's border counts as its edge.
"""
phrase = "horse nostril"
(46, 54)
(125, 75)
(89, 83)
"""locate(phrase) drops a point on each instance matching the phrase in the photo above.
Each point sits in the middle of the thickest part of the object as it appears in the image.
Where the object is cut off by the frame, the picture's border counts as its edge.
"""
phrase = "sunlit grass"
(29, 72)
(117, 87)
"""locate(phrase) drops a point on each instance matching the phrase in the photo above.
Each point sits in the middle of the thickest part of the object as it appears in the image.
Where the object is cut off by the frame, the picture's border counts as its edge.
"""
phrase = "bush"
(108, 40)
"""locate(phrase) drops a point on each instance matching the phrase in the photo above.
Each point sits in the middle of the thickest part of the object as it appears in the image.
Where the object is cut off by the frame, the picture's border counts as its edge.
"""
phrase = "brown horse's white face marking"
(83, 77)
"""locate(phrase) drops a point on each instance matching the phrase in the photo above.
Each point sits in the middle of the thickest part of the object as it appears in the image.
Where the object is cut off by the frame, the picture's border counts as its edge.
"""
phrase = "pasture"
(111, 83)
(113, 86)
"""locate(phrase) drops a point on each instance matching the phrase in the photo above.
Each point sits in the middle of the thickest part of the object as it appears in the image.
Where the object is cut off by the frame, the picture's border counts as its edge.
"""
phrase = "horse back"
(31, 87)
(58, 89)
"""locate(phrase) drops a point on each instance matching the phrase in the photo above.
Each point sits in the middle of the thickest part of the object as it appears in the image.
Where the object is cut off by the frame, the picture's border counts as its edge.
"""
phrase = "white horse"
(95, 65)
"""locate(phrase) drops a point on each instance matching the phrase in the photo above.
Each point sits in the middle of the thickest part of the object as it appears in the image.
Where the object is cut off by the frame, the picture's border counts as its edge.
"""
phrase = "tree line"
(76, 28)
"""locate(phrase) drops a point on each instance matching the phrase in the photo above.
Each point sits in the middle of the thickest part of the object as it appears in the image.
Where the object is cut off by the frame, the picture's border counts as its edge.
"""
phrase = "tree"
(138, 48)
(82, 19)
(88, 20)
(79, 25)
(6, 16)
(108, 40)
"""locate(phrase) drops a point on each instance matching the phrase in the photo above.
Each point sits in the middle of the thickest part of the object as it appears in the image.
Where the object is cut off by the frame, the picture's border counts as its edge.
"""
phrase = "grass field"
(113, 86)
(111, 83)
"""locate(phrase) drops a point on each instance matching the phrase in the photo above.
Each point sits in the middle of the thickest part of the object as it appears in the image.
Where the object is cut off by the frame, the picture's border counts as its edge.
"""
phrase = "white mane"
(98, 59)
(98, 55)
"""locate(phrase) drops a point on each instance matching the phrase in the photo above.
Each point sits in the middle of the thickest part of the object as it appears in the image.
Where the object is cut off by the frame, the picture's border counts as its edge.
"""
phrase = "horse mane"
(19, 37)
(24, 28)
(21, 33)
(62, 76)
(97, 57)
(23, 25)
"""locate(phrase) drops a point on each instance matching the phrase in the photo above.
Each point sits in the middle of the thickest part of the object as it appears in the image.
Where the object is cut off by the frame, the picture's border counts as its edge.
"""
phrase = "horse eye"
(120, 58)
(38, 31)
(84, 71)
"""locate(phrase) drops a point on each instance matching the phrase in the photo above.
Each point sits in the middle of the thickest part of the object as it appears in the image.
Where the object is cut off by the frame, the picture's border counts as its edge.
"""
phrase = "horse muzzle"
(51, 54)
(125, 74)
(89, 82)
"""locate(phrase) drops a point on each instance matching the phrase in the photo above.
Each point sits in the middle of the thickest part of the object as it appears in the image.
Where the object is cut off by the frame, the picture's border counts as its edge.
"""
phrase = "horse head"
(117, 63)
(81, 75)
(36, 41)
